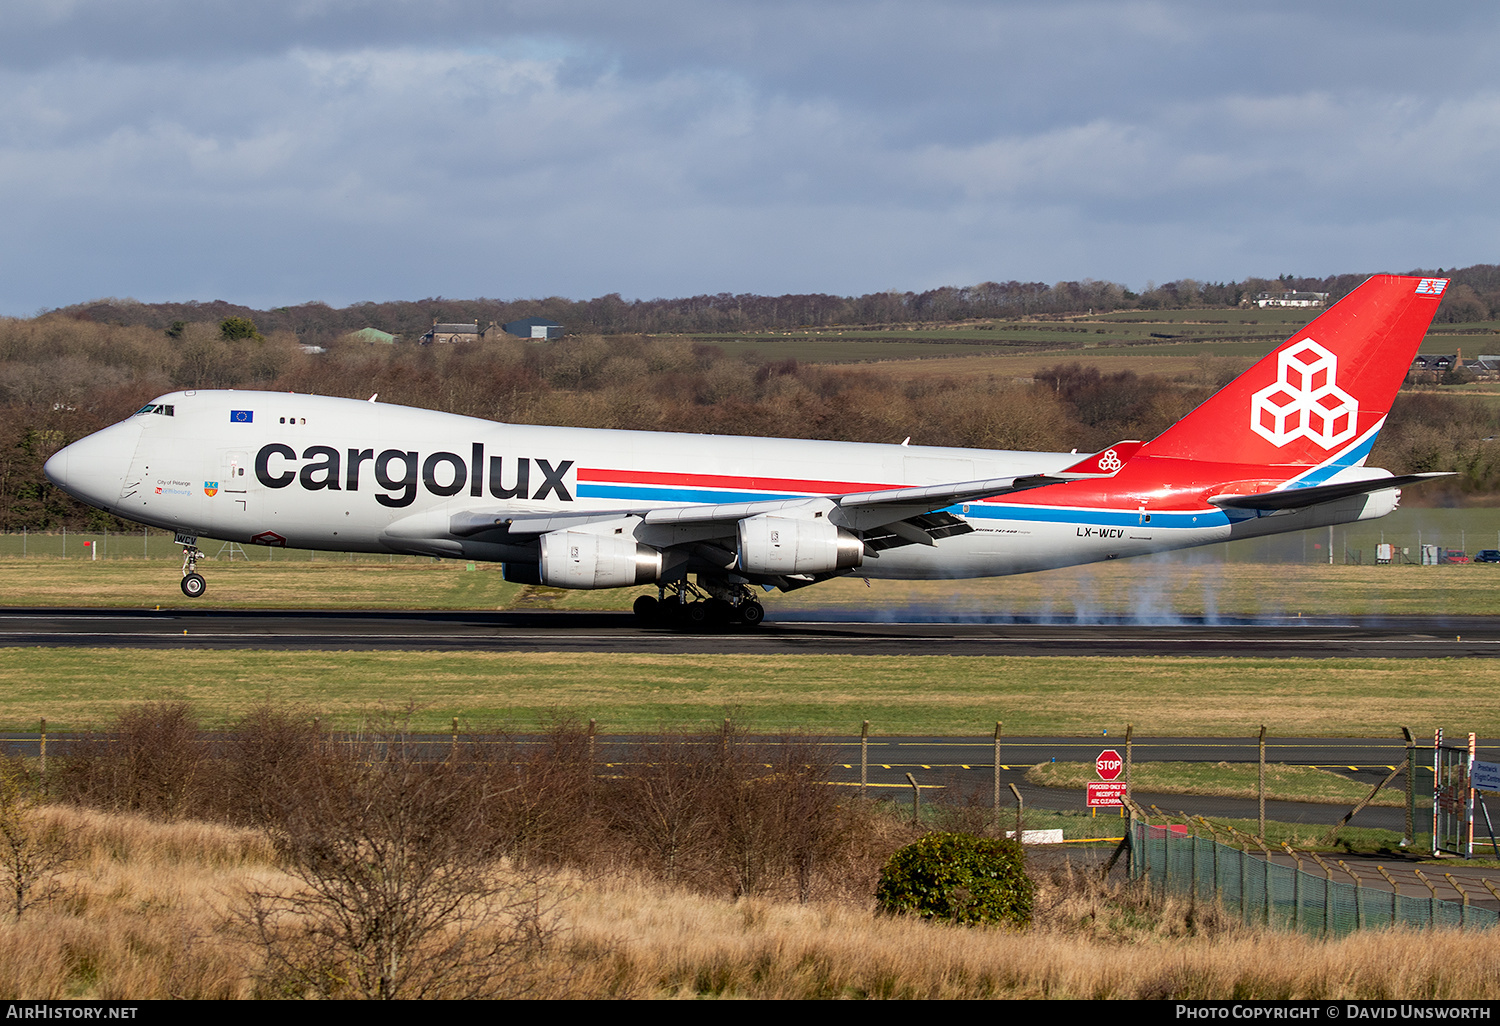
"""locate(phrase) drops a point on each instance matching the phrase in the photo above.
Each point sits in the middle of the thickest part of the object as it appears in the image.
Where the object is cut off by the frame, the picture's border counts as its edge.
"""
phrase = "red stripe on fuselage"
(764, 484)
(1160, 484)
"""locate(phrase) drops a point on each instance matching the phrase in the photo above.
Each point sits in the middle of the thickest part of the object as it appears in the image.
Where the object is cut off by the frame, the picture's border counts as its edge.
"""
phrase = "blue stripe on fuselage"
(977, 511)
(1350, 457)
(659, 493)
(1102, 517)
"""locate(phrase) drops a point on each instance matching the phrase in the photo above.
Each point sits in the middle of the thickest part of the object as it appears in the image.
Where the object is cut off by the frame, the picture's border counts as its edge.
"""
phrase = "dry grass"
(145, 904)
(329, 583)
(137, 913)
(1090, 941)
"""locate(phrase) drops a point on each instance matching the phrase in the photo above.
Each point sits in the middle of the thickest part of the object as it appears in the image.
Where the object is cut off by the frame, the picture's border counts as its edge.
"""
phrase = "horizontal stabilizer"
(1297, 498)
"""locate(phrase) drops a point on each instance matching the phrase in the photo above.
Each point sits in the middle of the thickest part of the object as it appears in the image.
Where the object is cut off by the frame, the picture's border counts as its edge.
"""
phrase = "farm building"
(373, 335)
(1433, 366)
(1266, 299)
(443, 333)
(534, 327)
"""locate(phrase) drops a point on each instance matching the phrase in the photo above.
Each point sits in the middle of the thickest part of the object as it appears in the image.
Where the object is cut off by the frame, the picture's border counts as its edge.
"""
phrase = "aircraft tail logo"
(1305, 401)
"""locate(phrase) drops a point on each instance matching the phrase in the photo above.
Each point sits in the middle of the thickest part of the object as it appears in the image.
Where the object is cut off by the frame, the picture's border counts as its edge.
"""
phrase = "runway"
(825, 633)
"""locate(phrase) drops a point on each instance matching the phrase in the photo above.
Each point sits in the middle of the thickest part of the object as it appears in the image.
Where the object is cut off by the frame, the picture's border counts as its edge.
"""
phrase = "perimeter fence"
(1406, 531)
(1176, 859)
(158, 546)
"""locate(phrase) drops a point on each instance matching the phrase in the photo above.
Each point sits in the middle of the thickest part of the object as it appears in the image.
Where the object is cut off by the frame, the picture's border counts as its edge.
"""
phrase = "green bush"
(960, 877)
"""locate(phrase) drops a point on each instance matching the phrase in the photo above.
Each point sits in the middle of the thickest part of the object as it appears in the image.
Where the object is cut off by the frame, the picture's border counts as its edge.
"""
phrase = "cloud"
(347, 150)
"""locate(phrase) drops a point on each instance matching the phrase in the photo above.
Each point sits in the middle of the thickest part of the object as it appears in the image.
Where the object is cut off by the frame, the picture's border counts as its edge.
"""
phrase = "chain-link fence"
(151, 544)
(1177, 860)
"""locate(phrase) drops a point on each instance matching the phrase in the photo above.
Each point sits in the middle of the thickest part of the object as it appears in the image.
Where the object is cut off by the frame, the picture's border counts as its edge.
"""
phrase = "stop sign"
(1109, 764)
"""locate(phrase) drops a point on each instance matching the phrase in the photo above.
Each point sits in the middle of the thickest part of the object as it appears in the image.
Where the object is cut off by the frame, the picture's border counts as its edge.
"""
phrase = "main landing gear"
(193, 584)
(712, 605)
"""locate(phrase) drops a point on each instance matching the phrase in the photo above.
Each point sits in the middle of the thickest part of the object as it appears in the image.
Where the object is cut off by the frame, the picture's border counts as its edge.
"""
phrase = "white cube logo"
(1305, 401)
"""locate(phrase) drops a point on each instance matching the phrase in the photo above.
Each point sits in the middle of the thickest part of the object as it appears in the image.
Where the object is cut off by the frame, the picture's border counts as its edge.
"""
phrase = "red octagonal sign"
(1109, 764)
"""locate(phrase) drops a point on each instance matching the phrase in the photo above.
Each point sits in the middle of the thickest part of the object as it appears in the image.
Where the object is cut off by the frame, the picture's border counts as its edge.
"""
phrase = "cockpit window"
(162, 409)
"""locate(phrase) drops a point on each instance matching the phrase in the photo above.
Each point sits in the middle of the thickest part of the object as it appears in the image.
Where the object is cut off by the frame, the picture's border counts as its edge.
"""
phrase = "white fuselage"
(340, 474)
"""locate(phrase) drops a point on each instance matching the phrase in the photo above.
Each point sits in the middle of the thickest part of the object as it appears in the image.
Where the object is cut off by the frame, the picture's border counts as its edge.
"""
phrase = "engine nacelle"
(770, 544)
(579, 559)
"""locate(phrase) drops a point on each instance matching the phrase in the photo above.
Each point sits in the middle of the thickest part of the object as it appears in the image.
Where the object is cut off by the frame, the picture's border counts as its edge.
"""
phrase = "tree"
(232, 329)
(959, 877)
(31, 850)
(401, 891)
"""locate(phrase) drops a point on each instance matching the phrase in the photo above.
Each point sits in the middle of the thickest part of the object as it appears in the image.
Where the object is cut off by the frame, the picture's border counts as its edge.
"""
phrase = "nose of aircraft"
(94, 467)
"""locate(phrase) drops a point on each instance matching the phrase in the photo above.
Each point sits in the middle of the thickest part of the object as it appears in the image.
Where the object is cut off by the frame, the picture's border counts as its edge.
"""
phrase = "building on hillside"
(1431, 367)
(1485, 368)
(1266, 299)
(534, 327)
(374, 335)
(444, 333)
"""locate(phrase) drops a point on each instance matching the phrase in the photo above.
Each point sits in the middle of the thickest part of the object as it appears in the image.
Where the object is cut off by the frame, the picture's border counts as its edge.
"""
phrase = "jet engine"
(579, 559)
(783, 545)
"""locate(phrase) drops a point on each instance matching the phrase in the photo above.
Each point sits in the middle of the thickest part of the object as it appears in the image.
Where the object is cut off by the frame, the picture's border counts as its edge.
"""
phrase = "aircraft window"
(158, 408)
(283, 420)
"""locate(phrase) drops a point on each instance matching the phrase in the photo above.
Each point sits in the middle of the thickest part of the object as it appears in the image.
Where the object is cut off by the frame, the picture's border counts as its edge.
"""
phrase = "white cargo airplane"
(1281, 448)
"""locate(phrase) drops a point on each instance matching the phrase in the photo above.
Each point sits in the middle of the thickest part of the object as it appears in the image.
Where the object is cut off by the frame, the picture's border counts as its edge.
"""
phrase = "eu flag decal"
(241, 416)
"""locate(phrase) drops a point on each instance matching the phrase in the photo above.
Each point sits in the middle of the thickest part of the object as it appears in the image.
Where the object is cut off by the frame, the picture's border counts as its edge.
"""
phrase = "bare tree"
(152, 760)
(662, 805)
(31, 850)
(400, 889)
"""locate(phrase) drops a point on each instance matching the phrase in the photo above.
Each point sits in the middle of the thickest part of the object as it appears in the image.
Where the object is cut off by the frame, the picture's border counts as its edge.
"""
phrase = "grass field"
(1225, 780)
(1144, 337)
(899, 695)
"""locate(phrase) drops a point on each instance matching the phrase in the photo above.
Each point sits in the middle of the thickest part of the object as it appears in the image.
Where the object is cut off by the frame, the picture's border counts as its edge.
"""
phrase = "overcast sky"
(282, 151)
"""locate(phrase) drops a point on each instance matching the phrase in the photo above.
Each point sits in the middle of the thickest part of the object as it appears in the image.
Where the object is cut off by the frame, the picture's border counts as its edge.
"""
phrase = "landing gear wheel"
(647, 610)
(193, 585)
(717, 613)
(752, 613)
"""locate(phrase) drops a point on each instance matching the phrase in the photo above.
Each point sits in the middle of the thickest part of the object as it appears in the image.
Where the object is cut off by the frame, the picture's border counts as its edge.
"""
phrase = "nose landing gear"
(193, 584)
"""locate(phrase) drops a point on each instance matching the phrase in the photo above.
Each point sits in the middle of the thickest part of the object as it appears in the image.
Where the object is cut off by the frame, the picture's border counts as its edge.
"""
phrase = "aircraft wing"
(860, 511)
(864, 510)
(1298, 498)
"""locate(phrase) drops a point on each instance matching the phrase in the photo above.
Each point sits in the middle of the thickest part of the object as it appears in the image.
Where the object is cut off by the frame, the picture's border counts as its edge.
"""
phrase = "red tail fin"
(1323, 391)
